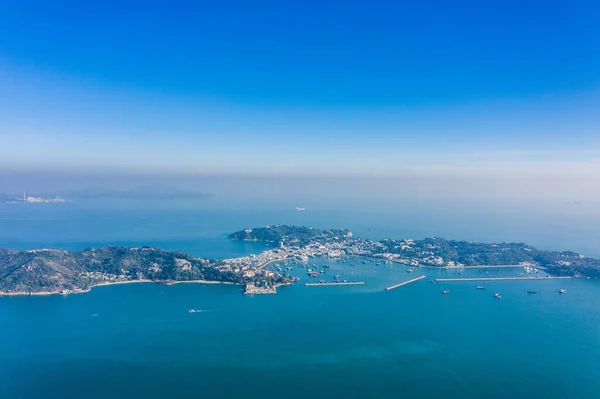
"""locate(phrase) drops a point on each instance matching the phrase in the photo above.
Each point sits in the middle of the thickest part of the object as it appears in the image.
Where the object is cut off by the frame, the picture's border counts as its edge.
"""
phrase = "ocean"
(140, 341)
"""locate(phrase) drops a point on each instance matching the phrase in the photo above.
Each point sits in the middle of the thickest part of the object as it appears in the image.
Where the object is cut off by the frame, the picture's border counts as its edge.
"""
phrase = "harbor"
(446, 280)
(393, 287)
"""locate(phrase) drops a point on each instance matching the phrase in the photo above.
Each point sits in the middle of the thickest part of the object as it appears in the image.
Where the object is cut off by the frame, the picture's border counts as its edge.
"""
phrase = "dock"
(489, 267)
(334, 283)
(393, 287)
(446, 280)
(470, 267)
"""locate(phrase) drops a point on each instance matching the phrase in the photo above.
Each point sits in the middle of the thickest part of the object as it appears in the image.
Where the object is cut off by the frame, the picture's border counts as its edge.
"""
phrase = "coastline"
(82, 291)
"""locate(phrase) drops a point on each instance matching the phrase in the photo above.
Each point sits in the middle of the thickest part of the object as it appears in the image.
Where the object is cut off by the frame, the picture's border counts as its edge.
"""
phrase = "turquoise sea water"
(318, 342)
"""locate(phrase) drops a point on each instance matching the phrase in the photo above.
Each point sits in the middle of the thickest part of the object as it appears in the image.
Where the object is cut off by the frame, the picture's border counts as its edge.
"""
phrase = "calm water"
(304, 342)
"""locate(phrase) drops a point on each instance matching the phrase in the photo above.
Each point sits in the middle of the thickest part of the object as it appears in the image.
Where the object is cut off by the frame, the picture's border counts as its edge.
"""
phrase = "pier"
(393, 287)
(489, 266)
(441, 280)
(334, 283)
(471, 267)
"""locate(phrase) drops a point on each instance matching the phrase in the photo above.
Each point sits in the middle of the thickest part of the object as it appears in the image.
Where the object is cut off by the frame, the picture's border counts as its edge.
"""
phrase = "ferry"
(445, 292)
(480, 287)
(562, 291)
(497, 296)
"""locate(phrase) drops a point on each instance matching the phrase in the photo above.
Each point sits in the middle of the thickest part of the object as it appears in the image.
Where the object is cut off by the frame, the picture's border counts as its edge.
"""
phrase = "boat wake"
(201, 310)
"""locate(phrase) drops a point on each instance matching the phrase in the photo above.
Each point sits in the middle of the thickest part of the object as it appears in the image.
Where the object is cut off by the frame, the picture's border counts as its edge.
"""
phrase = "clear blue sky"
(348, 86)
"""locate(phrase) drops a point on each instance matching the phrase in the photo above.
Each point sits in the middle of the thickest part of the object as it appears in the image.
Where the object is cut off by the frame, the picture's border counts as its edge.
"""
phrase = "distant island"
(51, 271)
(139, 193)
(28, 199)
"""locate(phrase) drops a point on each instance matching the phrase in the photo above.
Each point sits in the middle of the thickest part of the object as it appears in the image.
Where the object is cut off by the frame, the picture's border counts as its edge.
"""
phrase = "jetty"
(469, 267)
(393, 287)
(440, 280)
(333, 283)
(489, 266)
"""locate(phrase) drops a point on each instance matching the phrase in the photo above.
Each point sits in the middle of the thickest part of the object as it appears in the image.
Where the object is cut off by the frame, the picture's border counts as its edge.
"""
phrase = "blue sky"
(300, 87)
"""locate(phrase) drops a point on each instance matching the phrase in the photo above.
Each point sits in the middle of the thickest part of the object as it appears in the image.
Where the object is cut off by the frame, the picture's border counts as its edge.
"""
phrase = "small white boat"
(497, 295)
(562, 291)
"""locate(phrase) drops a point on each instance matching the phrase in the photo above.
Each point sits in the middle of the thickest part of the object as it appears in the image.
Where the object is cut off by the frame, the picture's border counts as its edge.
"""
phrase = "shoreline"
(83, 291)
(140, 281)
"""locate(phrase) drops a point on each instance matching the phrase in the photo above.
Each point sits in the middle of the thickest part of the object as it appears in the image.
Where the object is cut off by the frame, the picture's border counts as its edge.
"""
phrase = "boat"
(194, 311)
(562, 291)
(532, 292)
(480, 287)
(410, 270)
(445, 292)
(497, 296)
(300, 208)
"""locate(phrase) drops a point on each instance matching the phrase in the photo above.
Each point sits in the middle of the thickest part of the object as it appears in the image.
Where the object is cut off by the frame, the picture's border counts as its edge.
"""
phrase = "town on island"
(53, 271)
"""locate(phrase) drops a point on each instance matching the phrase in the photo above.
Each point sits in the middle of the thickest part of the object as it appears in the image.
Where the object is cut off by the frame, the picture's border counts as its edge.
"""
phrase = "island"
(53, 271)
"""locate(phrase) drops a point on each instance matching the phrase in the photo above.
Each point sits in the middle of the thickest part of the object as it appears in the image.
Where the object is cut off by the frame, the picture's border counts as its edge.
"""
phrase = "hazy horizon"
(475, 95)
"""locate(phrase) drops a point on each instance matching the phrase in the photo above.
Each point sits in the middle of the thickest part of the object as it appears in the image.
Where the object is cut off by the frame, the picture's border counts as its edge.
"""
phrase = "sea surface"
(140, 341)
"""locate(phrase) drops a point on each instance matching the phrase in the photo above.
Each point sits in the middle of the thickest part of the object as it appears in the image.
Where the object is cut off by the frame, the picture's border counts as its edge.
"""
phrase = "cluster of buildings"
(38, 200)
(103, 277)
(252, 289)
